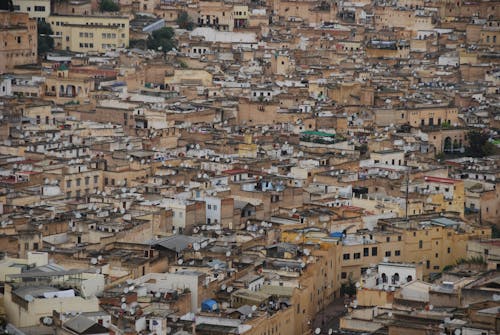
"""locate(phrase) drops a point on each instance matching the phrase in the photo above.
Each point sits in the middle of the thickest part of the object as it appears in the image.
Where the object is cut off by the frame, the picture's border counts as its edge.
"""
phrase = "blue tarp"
(209, 305)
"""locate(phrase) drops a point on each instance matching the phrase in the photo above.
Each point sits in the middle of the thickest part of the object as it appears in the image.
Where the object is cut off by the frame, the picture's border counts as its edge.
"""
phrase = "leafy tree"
(45, 40)
(109, 6)
(184, 21)
(479, 145)
(7, 5)
(139, 44)
(162, 39)
(348, 288)
(495, 231)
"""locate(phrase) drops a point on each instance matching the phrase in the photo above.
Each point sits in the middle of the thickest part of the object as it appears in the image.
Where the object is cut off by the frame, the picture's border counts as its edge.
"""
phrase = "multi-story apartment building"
(90, 33)
(18, 40)
(434, 241)
(216, 14)
(36, 9)
(77, 181)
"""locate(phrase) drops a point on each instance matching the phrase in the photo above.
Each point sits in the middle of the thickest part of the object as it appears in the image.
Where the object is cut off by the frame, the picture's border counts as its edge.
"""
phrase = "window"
(96, 178)
(388, 239)
(428, 264)
(420, 244)
(397, 253)
(343, 275)
(78, 181)
(357, 255)
(39, 8)
(366, 252)
(436, 267)
(399, 238)
(347, 256)
(387, 254)
(449, 250)
(374, 251)
(68, 183)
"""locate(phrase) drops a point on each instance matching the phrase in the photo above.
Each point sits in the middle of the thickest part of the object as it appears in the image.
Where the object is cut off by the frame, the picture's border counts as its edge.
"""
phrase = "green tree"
(479, 145)
(45, 40)
(162, 39)
(184, 21)
(109, 6)
(139, 44)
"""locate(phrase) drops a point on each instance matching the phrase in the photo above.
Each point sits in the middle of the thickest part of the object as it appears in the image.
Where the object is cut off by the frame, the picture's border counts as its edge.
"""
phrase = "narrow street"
(329, 317)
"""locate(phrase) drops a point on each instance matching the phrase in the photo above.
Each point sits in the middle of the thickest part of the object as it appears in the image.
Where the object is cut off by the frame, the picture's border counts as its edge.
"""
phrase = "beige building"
(64, 86)
(36, 9)
(90, 33)
(437, 245)
(216, 14)
(18, 40)
(27, 305)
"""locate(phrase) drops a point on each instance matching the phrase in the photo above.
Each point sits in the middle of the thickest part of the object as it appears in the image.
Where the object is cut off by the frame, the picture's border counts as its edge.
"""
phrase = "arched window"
(396, 277)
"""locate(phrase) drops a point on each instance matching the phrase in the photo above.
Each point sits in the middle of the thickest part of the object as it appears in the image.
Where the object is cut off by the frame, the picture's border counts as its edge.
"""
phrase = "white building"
(5, 86)
(392, 275)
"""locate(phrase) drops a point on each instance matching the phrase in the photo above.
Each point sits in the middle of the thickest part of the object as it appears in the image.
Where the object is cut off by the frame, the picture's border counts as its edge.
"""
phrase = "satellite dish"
(180, 261)
(458, 331)
(196, 246)
(125, 290)
(358, 285)
(47, 321)
(124, 306)
(131, 288)
(228, 253)
(99, 258)
(229, 289)
(317, 331)
(124, 299)
(223, 287)
(93, 261)
(330, 331)
(157, 294)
